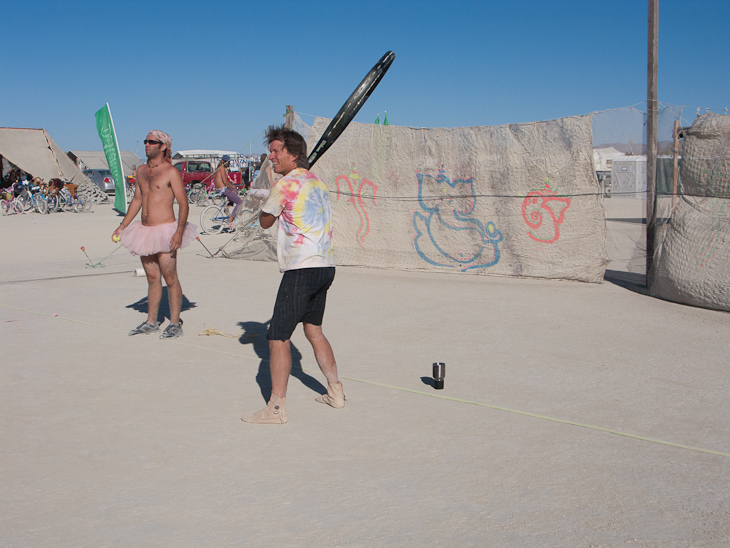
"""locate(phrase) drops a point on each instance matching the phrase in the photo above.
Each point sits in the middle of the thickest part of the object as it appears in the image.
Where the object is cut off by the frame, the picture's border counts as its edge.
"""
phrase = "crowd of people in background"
(17, 182)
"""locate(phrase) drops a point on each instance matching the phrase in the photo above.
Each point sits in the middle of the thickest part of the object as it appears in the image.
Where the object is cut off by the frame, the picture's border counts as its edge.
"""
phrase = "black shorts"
(301, 298)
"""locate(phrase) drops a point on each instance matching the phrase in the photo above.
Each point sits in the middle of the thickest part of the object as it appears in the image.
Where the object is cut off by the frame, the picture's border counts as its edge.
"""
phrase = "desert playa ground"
(573, 414)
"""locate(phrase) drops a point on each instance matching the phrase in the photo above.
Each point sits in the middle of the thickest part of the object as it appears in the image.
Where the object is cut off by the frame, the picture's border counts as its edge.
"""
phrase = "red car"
(201, 171)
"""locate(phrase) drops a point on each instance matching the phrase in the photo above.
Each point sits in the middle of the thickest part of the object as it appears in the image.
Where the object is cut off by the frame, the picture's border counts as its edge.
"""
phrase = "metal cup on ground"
(439, 372)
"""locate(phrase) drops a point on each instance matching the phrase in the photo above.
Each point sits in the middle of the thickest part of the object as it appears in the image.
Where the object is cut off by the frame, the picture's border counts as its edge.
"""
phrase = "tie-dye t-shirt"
(302, 203)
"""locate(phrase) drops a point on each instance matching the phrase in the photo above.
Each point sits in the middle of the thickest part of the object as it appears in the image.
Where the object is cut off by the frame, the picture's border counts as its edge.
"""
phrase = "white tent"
(603, 157)
(96, 159)
(33, 151)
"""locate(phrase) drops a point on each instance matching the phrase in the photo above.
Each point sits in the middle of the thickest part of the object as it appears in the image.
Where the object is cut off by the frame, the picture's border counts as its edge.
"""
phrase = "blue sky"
(215, 74)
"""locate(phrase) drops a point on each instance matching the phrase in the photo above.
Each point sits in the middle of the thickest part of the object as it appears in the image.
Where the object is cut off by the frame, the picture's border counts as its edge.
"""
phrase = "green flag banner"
(105, 127)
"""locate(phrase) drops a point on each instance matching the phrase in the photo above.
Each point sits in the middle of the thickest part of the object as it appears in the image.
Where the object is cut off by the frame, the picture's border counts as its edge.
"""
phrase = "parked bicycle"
(11, 206)
(64, 200)
(131, 187)
(32, 199)
(197, 193)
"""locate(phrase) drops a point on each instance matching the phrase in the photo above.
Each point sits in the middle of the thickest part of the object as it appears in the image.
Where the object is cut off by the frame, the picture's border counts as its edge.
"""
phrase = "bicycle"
(65, 201)
(131, 188)
(192, 193)
(41, 199)
(213, 196)
(201, 195)
(81, 202)
(9, 207)
(62, 199)
(32, 199)
(214, 218)
(53, 202)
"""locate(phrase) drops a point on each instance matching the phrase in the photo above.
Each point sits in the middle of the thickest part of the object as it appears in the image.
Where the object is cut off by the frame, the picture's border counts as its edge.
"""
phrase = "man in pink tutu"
(158, 236)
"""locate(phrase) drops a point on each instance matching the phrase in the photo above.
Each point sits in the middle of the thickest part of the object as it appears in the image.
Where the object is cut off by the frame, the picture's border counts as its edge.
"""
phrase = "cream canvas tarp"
(33, 151)
(96, 159)
(692, 265)
(512, 200)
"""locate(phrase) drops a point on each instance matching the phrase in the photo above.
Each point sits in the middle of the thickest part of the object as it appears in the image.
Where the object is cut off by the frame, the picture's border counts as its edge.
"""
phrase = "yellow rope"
(544, 417)
(419, 392)
(213, 331)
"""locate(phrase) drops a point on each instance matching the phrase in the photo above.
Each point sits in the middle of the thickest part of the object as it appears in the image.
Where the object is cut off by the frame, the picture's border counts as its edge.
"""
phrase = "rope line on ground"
(418, 392)
(545, 417)
(213, 330)
(69, 277)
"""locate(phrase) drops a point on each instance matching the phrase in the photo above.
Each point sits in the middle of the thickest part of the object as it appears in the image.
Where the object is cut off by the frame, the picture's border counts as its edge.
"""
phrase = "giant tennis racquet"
(351, 107)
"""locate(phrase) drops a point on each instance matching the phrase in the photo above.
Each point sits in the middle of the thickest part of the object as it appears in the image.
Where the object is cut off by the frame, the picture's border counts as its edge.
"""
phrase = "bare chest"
(152, 182)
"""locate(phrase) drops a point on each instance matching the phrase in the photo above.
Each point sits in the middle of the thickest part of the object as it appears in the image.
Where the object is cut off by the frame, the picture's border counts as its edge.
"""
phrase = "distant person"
(158, 236)
(13, 178)
(132, 179)
(301, 202)
(40, 183)
(262, 183)
(55, 186)
(246, 176)
(25, 184)
(257, 169)
(221, 181)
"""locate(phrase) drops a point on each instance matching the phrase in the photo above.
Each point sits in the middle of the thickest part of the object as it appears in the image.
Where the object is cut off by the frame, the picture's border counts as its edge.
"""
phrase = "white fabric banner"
(513, 200)
(692, 265)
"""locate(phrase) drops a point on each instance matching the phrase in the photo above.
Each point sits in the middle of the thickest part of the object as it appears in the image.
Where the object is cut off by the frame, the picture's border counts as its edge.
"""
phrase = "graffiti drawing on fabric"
(447, 233)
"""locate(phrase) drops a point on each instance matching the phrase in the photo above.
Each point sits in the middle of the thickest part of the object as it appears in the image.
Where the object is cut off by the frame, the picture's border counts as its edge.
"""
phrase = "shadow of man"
(254, 333)
(163, 313)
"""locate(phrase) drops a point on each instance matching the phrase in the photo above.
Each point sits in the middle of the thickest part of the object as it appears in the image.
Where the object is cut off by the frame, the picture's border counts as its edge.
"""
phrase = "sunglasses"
(152, 142)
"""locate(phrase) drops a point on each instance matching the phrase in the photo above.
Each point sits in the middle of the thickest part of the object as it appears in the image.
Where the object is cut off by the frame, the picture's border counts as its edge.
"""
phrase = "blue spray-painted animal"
(446, 233)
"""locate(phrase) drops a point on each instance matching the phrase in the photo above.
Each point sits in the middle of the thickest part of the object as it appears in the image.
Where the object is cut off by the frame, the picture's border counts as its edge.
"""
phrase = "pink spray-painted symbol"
(356, 199)
(544, 199)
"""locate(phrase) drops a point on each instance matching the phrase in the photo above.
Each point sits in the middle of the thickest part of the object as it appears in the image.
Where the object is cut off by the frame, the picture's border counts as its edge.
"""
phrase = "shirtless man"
(221, 181)
(158, 236)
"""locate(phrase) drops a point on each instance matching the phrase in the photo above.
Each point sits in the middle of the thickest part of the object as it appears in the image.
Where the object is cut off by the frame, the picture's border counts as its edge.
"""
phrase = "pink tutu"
(150, 240)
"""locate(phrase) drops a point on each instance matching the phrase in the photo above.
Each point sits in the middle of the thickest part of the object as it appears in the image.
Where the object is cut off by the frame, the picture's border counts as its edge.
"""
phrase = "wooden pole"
(675, 150)
(651, 140)
(289, 117)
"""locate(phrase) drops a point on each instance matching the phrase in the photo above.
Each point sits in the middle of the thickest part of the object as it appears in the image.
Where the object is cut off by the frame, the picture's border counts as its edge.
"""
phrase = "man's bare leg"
(168, 266)
(279, 366)
(335, 396)
(154, 291)
(322, 352)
